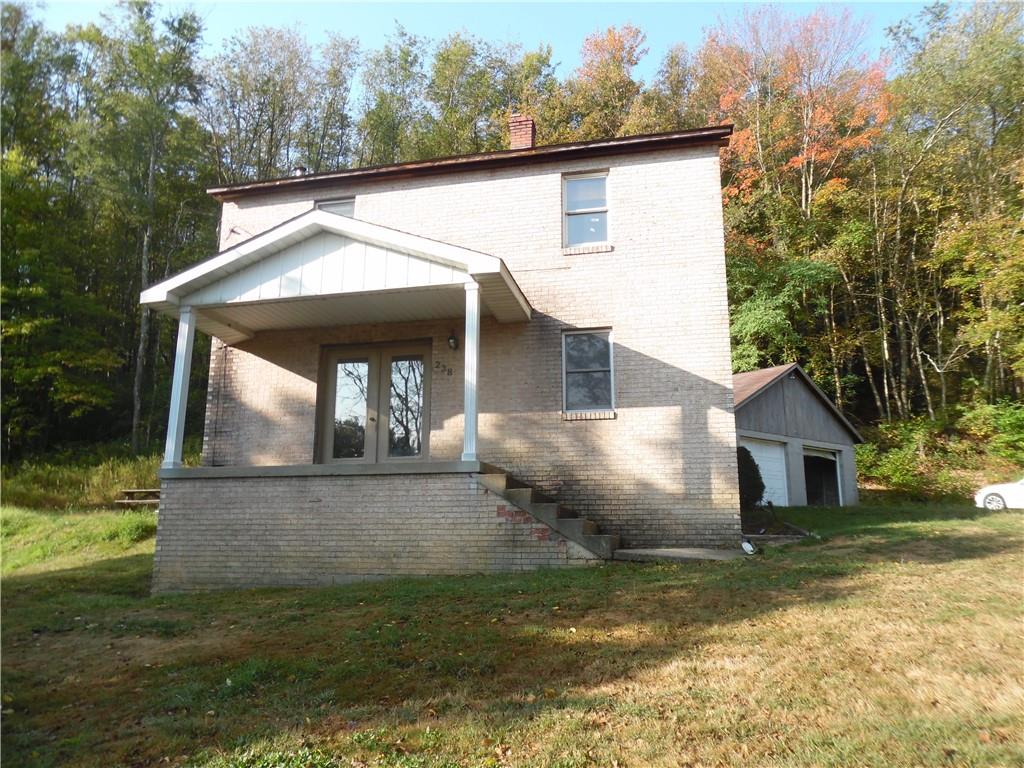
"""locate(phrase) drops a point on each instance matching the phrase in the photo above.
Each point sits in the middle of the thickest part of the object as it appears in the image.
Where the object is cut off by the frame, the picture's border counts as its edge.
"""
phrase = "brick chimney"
(522, 131)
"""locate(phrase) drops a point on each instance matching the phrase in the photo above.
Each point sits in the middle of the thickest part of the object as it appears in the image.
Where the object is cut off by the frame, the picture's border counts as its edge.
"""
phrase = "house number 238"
(442, 368)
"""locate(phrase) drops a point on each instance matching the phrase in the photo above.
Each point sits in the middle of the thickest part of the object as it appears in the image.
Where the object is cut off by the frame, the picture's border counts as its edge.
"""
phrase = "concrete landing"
(773, 540)
(676, 555)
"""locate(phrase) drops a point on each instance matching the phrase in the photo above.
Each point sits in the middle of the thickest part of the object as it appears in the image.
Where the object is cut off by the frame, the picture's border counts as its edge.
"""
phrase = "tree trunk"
(837, 380)
(871, 381)
(924, 379)
(140, 354)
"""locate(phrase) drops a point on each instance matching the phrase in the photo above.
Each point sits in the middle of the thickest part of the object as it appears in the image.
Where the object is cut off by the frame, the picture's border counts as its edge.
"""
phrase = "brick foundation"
(304, 531)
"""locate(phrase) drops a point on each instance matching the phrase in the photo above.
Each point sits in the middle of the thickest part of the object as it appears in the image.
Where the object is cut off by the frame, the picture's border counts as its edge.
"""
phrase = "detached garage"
(802, 444)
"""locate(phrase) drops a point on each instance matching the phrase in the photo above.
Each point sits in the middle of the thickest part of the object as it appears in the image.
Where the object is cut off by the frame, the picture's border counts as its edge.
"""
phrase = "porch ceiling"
(322, 269)
(233, 323)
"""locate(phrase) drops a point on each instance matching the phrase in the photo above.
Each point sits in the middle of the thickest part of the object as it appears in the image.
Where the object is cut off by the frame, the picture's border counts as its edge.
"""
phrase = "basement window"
(588, 383)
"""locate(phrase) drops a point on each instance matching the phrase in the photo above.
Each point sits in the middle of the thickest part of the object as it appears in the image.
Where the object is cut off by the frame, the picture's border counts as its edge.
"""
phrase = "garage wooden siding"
(790, 408)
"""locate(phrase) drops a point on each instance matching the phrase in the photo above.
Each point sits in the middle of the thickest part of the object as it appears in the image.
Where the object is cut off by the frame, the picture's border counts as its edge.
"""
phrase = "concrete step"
(545, 509)
(574, 527)
(601, 544)
(500, 481)
(546, 513)
(519, 496)
(677, 554)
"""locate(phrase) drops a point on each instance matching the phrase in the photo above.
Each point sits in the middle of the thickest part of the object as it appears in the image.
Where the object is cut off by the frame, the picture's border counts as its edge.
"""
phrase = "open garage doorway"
(821, 474)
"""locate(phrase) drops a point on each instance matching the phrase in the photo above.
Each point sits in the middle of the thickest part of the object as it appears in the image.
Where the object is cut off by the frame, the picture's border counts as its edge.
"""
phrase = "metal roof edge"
(500, 158)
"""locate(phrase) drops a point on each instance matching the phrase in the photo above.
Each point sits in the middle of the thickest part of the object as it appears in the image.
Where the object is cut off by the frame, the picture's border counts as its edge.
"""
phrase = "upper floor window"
(587, 378)
(343, 207)
(585, 201)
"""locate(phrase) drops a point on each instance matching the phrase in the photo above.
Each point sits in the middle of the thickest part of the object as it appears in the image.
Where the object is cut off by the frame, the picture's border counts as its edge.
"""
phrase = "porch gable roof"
(317, 255)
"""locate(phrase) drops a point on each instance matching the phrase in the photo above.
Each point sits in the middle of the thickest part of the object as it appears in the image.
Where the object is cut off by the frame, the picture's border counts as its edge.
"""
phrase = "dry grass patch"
(897, 642)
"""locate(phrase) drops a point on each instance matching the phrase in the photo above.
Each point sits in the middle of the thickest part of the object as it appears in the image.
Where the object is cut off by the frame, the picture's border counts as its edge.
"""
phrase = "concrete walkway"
(676, 555)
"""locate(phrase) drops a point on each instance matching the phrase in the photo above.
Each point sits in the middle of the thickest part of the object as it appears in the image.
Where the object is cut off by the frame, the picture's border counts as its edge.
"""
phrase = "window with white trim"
(588, 382)
(585, 204)
(343, 207)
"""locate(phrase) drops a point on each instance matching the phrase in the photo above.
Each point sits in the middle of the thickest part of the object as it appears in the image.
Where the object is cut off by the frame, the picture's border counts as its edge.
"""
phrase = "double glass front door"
(379, 406)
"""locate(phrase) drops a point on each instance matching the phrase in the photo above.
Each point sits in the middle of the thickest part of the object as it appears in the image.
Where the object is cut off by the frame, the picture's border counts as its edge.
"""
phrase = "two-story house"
(488, 362)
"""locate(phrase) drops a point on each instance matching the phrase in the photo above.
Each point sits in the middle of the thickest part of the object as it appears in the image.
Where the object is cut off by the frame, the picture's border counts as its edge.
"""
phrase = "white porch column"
(472, 350)
(179, 388)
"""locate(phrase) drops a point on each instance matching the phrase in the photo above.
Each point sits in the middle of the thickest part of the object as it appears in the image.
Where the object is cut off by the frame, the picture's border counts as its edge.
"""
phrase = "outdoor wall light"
(453, 341)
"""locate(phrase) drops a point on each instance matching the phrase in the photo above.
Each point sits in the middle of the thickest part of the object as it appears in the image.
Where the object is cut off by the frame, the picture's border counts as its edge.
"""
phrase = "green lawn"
(894, 641)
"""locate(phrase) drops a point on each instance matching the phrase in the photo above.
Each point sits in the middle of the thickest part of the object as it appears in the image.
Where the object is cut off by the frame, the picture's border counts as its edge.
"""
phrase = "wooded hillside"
(874, 209)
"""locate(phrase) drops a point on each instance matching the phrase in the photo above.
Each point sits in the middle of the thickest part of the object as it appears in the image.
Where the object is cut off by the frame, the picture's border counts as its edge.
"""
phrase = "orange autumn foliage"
(804, 102)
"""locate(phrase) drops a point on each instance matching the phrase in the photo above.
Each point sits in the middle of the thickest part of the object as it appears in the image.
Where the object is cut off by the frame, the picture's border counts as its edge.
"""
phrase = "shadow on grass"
(152, 676)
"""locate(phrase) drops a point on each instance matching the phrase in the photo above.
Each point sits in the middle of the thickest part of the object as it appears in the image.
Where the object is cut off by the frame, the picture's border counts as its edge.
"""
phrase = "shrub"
(751, 484)
(949, 457)
(1000, 425)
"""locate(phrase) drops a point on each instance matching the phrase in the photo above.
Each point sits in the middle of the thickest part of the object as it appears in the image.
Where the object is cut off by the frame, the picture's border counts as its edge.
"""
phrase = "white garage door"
(771, 460)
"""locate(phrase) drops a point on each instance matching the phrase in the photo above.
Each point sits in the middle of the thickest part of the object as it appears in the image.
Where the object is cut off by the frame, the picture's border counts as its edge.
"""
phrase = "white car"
(1002, 496)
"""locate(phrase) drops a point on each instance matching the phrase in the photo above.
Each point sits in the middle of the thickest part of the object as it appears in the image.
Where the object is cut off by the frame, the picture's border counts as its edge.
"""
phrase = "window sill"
(601, 415)
(577, 250)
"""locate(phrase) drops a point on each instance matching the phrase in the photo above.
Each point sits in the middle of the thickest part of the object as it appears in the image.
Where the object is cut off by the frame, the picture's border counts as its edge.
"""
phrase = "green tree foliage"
(56, 360)
(273, 103)
(101, 192)
(141, 78)
(393, 83)
(422, 100)
(906, 192)
(55, 349)
(597, 101)
(873, 213)
(462, 94)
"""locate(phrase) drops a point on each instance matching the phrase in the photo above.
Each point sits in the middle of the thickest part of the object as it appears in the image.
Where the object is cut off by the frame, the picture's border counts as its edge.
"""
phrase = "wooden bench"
(139, 497)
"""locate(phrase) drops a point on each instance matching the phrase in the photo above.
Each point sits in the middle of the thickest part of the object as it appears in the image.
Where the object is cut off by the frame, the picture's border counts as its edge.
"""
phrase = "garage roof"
(748, 385)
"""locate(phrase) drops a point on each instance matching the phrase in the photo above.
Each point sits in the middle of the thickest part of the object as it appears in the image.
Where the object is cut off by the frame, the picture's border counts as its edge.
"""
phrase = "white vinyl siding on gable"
(585, 209)
(326, 264)
(588, 381)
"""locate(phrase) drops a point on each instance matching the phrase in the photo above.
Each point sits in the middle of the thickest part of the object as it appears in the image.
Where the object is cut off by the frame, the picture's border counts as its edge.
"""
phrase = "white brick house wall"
(663, 472)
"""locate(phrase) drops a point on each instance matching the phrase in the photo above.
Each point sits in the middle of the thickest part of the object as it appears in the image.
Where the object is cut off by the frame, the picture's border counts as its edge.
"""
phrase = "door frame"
(835, 456)
(378, 356)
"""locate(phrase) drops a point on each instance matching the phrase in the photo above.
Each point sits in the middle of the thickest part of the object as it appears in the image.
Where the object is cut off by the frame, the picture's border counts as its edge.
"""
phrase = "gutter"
(715, 135)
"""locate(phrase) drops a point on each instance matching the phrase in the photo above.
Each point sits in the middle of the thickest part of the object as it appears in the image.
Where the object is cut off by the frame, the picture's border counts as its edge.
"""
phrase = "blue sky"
(563, 25)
